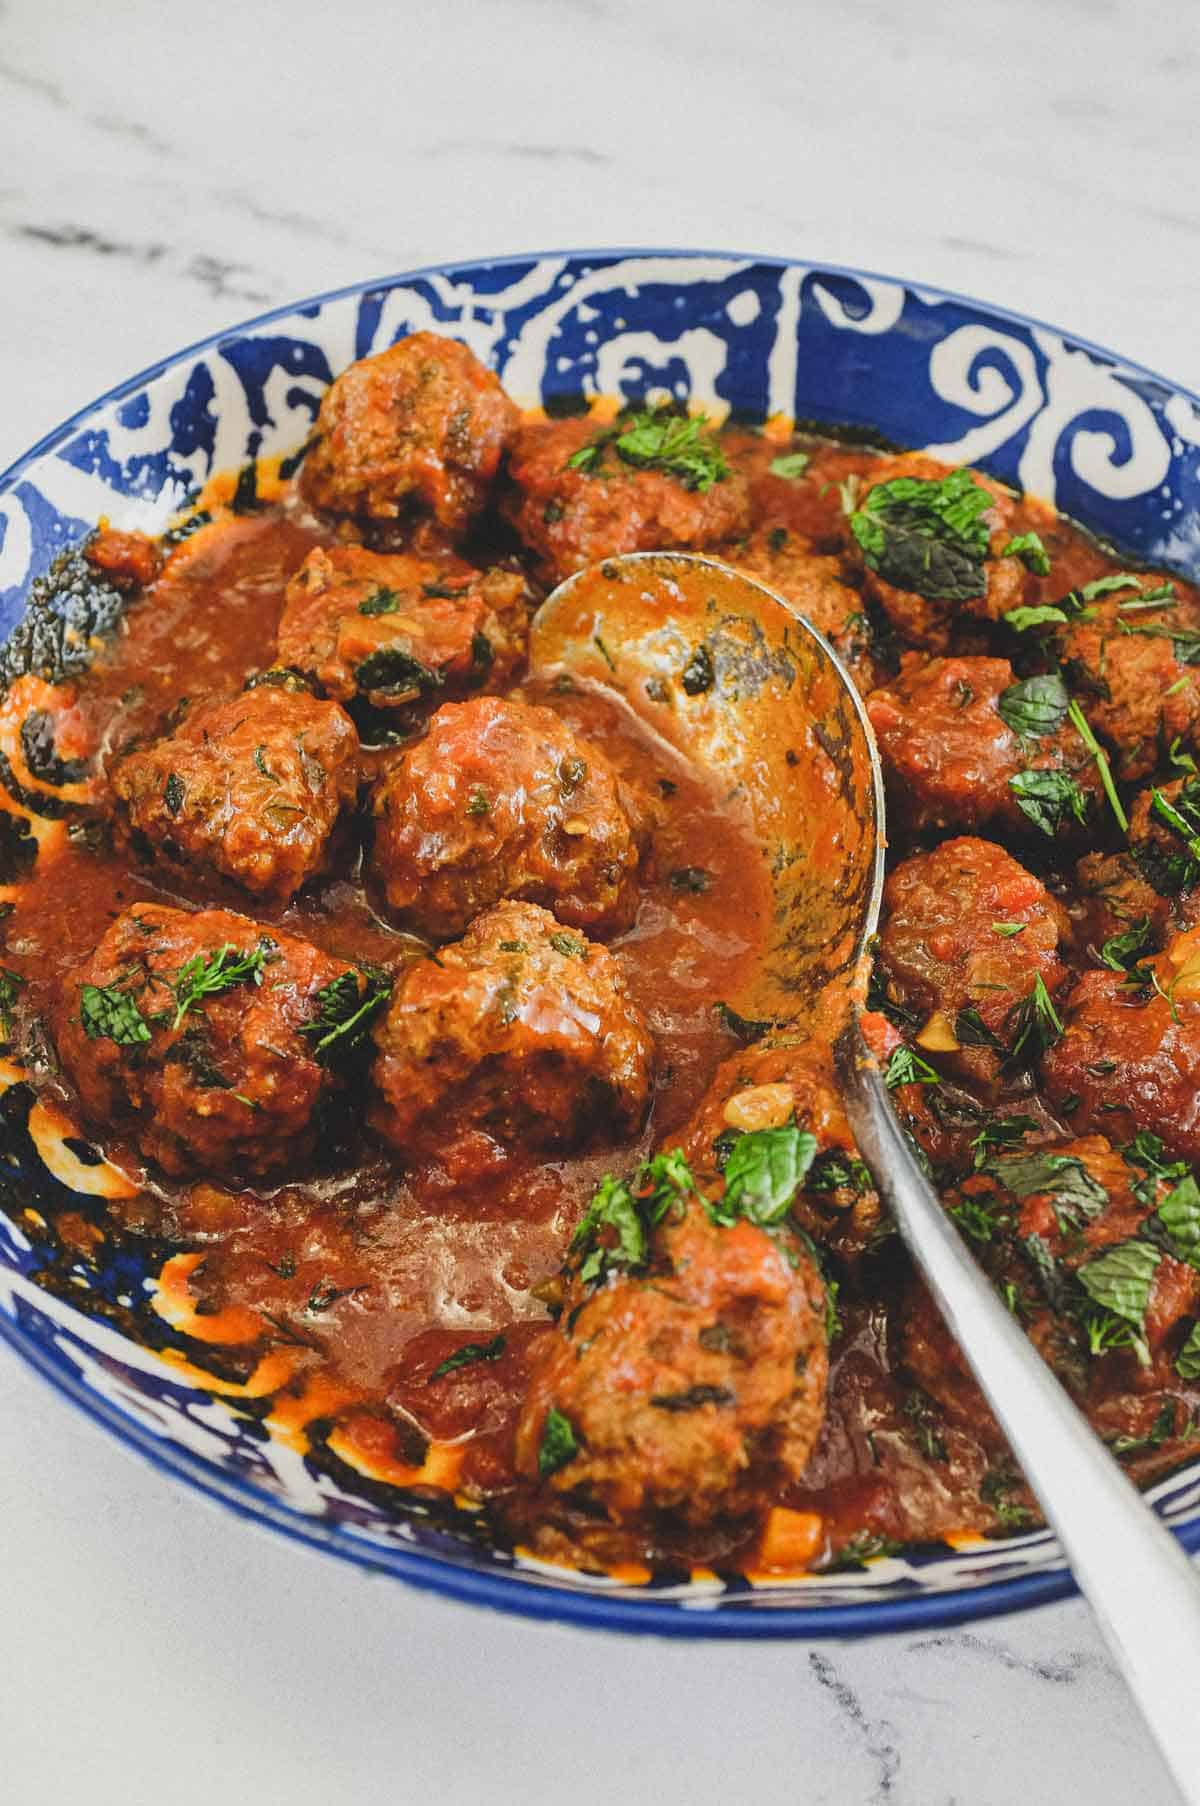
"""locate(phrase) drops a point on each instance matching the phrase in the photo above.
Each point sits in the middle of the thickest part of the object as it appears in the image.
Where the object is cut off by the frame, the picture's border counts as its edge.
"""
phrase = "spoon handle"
(1136, 1577)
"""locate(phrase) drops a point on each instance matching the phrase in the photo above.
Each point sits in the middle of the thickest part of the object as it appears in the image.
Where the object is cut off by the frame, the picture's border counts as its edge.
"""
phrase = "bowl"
(1113, 445)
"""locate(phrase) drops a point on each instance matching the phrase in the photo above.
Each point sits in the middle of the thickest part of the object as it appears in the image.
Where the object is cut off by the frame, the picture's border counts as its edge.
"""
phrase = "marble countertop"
(165, 173)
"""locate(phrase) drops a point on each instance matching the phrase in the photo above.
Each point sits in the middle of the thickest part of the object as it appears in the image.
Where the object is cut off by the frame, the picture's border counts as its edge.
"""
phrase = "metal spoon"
(735, 679)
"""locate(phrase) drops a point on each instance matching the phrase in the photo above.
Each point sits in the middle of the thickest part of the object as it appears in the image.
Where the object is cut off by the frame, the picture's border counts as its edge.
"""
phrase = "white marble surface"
(166, 170)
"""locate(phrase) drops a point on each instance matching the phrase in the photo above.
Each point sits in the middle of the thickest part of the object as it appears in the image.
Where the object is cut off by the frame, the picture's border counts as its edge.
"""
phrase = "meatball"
(951, 758)
(1036, 1218)
(521, 1030)
(130, 560)
(767, 1087)
(1164, 831)
(571, 516)
(419, 429)
(501, 799)
(1138, 694)
(925, 620)
(967, 935)
(1114, 902)
(195, 1035)
(1129, 1055)
(250, 789)
(816, 586)
(695, 1388)
(401, 632)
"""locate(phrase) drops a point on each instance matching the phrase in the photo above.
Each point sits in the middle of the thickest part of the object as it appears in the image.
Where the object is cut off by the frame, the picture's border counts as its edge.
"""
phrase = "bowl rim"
(505, 1589)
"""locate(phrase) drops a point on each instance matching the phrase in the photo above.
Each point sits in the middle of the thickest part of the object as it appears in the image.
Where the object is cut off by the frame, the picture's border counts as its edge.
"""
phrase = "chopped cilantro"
(558, 1446)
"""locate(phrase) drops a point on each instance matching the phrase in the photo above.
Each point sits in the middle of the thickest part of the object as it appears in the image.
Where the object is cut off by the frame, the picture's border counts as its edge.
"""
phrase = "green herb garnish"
(479, 803)
(764, 1171)
(1029, 549)
(1082, 727)
(105, 1011)
(344, 1007)
(208, 974)
(927, 535)
(908, 1068)
(380, 602)
(1037, 705)
(466, 1356)
(675, 445)
(790, 465)
(173, 793)
(1050, 799)
(558, 1445)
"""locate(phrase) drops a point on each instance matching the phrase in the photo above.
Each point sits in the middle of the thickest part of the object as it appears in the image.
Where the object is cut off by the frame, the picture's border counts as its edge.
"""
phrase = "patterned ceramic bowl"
(1111, 444)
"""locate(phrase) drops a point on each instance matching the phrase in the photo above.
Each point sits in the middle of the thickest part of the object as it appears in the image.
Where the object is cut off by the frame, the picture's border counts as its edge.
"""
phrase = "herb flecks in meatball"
(1129, 1056)
(401, 632)
(249, 789)
(584, 492)
(969, 948)
(965, 745)
(686, 1377)
(205, 1037)
(523, 1031)
(501, 799)
(419, 429)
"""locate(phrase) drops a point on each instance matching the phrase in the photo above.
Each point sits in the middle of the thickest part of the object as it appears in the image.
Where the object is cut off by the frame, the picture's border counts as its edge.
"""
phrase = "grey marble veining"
(163, 172)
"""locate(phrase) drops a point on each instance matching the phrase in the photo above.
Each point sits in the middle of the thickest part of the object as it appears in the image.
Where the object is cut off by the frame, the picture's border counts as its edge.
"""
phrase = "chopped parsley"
(1187, 1361)
(344, 1007)
(1035, 1024)
(927, 535)
(790, 465)
(614, 1231)
(381, 601)
(466, 1356)
(1050, 799)
(1029, 549)
(558, 1446)
(208, 974)
(479, 803)
(908, 1068)
(569, 945)
(394, 672)
(108, 1012)
(1082, 727)
(674, 445)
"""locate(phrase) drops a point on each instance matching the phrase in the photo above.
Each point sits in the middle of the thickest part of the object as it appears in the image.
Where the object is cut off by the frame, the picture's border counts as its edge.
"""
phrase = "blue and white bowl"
(1113, 445)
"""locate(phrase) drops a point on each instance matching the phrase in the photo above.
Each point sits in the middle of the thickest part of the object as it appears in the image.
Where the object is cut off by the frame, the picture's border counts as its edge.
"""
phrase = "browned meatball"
(948, 951)
(200, 1036)
(787, 564)
(1130, 1054)
(250, 788)
(402, 632)
(1137, 692)
(951, 757)
(522, 1030)
(1037, 1218)
(925, 619)
(694, 1388)
(571, 516)
(418, 429)
(1114, 903)
(501, 799)
(1164, 831)
(768, 1087)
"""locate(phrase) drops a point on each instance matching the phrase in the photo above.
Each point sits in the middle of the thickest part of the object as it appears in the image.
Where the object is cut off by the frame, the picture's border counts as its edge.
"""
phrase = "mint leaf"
(927, 535)
(1037, 705)
(763, 1173)
(558, 1444)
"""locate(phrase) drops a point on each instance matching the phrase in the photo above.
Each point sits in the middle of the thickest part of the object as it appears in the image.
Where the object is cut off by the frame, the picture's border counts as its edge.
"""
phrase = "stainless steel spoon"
(732, 677)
